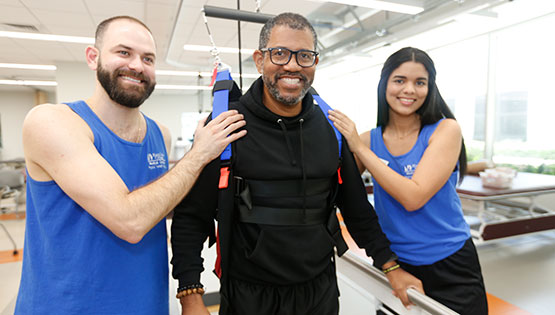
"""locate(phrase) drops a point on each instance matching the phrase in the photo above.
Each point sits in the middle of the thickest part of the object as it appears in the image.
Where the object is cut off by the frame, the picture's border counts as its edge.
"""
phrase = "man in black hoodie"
(274, 218)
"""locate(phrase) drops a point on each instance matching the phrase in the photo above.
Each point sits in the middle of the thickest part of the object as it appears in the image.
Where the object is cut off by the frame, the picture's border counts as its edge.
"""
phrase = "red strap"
(218, 266)
(339, 179)
(214, 74)
(224, 177)
(224, 180)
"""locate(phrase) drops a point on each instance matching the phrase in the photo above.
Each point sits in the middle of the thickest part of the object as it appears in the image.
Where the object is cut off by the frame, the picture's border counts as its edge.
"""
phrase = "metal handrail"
(421, 300)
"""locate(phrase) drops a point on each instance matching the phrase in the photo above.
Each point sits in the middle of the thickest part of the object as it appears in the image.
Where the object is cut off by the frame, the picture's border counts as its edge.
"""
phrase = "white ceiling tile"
(73, 31)
(15, 74)
(14, 3)
(170, 2)
(160, 18)
(17, 15)
(19, 56)
(5, 45)
(45, 51)
(103, 9)
(302, 7)
(59, 5)
(74, 52)
(59, 18)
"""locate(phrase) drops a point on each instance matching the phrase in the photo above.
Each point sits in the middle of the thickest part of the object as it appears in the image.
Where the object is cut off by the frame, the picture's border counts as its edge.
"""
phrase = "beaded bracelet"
(390, 269)
(196, 288)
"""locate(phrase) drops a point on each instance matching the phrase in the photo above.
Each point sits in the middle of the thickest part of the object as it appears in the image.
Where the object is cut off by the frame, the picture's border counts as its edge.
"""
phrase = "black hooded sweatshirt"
(277, 148)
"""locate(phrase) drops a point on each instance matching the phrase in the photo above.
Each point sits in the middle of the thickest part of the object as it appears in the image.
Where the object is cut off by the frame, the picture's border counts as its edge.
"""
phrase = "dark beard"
(273, 89)
(130, 97)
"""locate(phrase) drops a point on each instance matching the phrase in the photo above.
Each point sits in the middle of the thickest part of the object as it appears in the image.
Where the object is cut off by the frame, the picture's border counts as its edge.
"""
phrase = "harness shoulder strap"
(325, 108)
(224, 91)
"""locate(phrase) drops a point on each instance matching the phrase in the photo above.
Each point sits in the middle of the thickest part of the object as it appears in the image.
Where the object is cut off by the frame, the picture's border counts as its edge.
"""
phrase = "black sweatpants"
(318, 296)
(455, 281)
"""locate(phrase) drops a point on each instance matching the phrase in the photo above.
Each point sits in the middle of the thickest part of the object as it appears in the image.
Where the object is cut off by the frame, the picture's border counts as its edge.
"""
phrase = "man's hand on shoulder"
(211, 139)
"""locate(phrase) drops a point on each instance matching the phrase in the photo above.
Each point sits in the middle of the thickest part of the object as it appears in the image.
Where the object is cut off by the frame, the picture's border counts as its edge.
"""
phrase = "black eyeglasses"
(281, 56)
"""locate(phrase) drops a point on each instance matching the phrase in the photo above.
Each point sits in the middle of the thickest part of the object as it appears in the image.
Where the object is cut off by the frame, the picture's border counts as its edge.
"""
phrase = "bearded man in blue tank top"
(99, 187)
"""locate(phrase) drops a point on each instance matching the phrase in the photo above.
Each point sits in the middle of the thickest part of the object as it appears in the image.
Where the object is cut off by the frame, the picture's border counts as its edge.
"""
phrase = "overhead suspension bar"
(237, 15)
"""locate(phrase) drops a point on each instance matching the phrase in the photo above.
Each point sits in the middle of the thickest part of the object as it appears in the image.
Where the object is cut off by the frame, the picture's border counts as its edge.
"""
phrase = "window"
(506, 71)
(523, 88)
(510, 116)
(462, 80)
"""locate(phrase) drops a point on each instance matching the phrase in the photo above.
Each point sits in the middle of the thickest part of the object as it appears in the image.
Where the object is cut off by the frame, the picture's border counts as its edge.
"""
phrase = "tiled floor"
(10, 265)
(519, 270)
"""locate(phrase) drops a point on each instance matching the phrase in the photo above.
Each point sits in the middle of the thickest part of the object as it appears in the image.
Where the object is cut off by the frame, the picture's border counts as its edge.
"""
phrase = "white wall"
(167, 109)
(75, 81)
(14, 105)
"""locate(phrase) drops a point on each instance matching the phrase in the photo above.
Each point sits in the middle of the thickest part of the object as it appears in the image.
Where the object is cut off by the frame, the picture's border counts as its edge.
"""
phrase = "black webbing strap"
(282, 216)
(231, 86)
(335, 231)
(260, 190)
(288, 188)
(222, 85)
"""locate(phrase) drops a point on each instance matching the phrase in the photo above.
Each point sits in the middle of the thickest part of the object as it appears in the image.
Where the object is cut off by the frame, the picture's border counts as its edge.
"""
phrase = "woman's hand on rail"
(401, 281)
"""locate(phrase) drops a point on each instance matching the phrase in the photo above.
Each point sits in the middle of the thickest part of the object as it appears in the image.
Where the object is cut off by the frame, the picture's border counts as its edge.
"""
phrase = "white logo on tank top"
(156, 160)
(409, 170)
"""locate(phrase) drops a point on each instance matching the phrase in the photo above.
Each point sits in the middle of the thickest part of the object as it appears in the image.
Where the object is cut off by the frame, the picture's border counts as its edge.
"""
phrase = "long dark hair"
(434, 107)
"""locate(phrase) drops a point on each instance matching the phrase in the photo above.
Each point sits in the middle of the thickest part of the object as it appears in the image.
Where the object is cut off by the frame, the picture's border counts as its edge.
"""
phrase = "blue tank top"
(431, 233)
(72, 264)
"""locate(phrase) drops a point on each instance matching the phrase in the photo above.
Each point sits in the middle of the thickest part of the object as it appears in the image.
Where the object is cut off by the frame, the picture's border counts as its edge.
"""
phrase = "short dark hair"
(101, 28)
(434, 107)
(292, 20)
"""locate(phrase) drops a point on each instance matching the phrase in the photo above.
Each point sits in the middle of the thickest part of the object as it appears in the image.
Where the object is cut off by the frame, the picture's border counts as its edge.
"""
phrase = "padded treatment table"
(508, 211)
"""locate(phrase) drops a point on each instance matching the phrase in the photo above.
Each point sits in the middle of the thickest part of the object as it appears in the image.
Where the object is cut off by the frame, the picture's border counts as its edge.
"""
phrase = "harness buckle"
(339, 179)
(224, 177)
(240, 185)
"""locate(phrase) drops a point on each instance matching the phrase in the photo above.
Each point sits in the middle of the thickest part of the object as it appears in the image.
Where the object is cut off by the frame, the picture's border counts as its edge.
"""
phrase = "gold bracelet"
(390, 269)
(186, 292)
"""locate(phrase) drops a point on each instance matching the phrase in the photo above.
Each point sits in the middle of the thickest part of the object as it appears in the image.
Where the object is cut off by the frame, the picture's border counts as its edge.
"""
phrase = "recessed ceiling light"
(48, 37)
(28, 82)
(182, 87)
(407, 7)
(27, 66)
(230, 50)
(202, 74)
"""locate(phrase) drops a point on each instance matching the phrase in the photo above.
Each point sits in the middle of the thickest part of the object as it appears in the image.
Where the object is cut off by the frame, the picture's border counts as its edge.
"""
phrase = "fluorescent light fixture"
(406, 7)
(247, 75)
(27, 66)
(230, 50)
(178, 73)
(202, 74)
(28, 82)
(48, 37)
(182, 87)
(460, 14)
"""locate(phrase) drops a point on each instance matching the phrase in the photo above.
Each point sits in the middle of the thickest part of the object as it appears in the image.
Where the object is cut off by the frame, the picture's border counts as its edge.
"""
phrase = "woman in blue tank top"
(415, 156)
